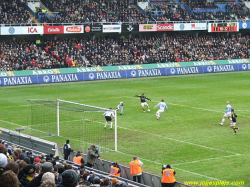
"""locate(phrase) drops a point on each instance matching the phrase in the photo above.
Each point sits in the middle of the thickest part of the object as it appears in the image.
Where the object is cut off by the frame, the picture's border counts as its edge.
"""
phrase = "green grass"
(187, 137)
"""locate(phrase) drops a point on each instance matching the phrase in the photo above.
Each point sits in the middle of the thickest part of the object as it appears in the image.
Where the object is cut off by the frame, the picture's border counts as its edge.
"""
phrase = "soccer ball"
(148, 110)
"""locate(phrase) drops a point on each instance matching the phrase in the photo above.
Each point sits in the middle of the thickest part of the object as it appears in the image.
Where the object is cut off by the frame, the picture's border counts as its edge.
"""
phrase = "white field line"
(210, 110)
(202, 160)
(186, 171)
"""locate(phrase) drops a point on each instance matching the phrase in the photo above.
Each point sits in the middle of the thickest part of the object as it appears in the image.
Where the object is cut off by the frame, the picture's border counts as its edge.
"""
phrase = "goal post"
(63, 120)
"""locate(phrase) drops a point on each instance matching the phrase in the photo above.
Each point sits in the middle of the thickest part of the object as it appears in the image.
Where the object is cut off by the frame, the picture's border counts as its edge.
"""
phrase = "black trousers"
(167, 184)
(138, 178)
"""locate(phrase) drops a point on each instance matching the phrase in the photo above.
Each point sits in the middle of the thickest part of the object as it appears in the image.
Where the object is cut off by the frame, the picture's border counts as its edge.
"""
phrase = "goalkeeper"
(108, 116)
(143, 101)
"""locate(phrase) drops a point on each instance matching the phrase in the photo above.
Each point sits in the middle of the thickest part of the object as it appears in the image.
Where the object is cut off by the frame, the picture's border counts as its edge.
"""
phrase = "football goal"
(63, 120)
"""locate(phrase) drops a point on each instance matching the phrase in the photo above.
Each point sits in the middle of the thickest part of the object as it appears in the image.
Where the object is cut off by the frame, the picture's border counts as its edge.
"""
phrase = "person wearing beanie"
(29, 172)
(46, 167)
(168, 176)
(22, 156)
(96, 182)
(69, 179)
(3, 163)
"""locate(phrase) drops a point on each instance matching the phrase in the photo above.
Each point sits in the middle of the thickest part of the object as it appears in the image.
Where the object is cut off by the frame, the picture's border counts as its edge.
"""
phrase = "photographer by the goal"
(168, 176)
(92, 154)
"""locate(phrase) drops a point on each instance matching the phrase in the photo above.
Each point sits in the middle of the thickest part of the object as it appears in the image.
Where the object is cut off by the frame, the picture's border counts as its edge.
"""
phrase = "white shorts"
(144, 104)
(160, 111)
(228, 114)
(232, 124)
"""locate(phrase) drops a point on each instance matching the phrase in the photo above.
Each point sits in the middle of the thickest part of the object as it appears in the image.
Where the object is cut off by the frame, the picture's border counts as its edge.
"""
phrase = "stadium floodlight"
(82, 124)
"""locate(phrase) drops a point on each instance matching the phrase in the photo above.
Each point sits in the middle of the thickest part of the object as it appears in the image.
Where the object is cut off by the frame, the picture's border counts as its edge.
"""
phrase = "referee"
(108, 116)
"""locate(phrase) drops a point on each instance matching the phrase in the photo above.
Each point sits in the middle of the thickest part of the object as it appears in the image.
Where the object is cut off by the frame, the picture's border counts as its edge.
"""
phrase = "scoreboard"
(223, 27)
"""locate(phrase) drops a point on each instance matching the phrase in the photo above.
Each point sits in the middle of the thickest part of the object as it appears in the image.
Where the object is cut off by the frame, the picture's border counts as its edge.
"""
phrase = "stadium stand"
(15, 12)
(114, 50)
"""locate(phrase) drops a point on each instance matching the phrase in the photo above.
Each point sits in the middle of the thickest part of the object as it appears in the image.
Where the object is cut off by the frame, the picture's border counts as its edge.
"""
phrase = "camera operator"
(115, 169)
(168, 176)
(92, 154)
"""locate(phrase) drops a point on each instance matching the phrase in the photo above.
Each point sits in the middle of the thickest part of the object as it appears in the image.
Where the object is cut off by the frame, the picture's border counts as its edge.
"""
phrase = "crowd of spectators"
(120, 50)
(14, 12)
(75, 11)
(20, 168)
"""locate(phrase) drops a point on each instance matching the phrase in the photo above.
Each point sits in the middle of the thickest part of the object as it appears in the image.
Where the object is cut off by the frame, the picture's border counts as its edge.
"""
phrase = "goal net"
(62, 120)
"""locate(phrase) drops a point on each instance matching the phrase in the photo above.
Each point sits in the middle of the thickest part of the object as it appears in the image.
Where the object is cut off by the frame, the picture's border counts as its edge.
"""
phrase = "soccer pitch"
(188, 136)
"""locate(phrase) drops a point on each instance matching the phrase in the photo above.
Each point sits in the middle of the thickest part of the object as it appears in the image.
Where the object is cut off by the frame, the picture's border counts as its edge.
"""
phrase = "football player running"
(163, 106)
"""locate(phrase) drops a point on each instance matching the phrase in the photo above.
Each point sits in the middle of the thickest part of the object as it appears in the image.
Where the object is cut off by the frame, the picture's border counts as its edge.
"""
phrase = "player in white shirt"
(163, 106)
(108, 116)
(120, 107)
(227, 113)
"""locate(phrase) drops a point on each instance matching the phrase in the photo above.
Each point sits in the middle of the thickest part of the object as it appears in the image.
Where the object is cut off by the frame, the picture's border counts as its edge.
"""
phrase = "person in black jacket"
(67, 150)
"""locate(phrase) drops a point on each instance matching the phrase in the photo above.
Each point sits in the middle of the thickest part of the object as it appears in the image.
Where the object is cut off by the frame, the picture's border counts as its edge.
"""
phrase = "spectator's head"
(47, 167)
(27, 160)
(3, 160)
(70, 178)
(9, 179)
(48, 177)
(67, 141)
(22, 164)
(106, 182)
(37, 160)
(3, 149)
(38, 167)
(96, 180)
(22, 156)
(29, 170)
(12, 166)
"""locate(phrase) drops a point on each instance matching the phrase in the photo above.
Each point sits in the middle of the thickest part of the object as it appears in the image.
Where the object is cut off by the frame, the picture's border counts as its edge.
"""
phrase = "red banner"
(53, 29)
(165, 27)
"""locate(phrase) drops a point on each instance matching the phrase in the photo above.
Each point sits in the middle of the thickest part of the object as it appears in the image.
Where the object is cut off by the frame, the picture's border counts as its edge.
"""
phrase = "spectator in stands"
(69, 179)
(48, 180)
(78, 159)
(9, 179)
(12, 166)
(29, 173)
(135, 169)
(168, 176)
(67, 150)
(46, 167)
(21, 164)
(96, 182)
(3, 163)
(38, 167)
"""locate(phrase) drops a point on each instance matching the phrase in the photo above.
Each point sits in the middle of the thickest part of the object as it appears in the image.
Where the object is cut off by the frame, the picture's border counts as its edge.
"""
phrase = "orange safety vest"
(77, 160)
(114, 171)
(135, 168)
(168, 176)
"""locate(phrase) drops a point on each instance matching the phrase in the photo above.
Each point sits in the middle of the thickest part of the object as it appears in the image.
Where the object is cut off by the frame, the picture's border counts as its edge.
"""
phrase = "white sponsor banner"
(189, 26)
(73, 29)
(111, 28)
(21, 30)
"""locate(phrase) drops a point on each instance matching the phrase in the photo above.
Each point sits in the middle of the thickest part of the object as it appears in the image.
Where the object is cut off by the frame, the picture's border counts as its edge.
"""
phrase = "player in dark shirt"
(143, 101)
(233, 123)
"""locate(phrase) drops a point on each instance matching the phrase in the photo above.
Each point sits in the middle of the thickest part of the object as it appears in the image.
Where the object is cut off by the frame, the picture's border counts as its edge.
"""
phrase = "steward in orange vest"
(168, 176)
(135, 169)
(78, 158)
(115, 169)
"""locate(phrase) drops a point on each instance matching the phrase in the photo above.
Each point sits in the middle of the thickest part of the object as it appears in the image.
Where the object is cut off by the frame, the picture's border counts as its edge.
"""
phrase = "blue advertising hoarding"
(105, 75)
(244, 25)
